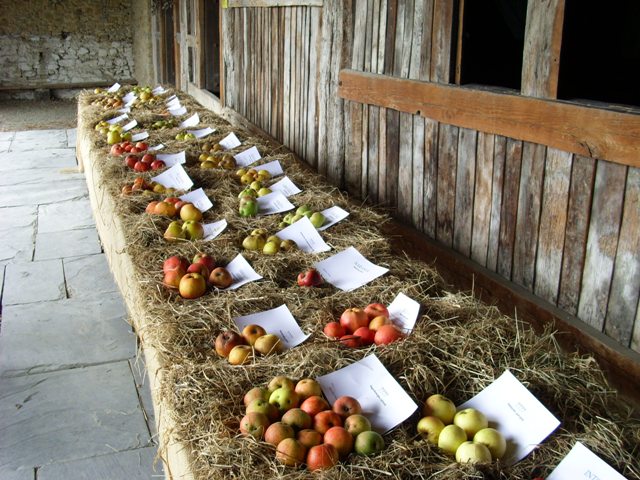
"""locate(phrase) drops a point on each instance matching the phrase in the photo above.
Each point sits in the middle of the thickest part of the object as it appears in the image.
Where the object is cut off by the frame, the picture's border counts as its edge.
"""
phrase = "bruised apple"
(254, 424)
(438, 405)
(309, 437)
(255, 392)
(297, 418)
(356, 424)
(263, 406)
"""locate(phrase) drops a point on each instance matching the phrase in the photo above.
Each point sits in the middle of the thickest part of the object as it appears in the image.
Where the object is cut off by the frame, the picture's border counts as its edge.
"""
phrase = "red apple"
(309, 437)
(346, 406)
(366, 335)
(252, 332)
(141, 167)
(173, 200)
(340, 438)
(321, 457)
(314, 405)
(326, 419)
(207, 260)
(225, 342)
(175, 262)
(387, 334)
(116, 149)
(151, 207)
(354, 318)
(157, 165)
(297, 418)
(148, 158)
(199, 268)
(350, 341)
(220, 278)
(254, 424)
(192, 285)
(130, 161)
(374, 310)
(334, 330)
(172, 278)
(142, 146)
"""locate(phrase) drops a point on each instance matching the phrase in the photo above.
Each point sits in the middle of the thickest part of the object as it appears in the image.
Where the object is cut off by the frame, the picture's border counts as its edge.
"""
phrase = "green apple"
(193, 230)
(317, 219)
(284, 398)
(248, 207)
(493, 440)
(263, 406)
(471, 421)
(356, 424)
(174, 231)
(438, 405)
(302, 209)
(296, 217)
(288, 218)
(368, 443)
(287, 245)
(113, 137)
(253, 242)
(249, 192)
(471, 452)
(264, 191)
(271, 248)
(450, 438)
(430, 428)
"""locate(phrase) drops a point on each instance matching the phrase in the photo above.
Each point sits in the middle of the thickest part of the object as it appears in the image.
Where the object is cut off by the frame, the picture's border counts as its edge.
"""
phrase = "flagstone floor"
(74, 403)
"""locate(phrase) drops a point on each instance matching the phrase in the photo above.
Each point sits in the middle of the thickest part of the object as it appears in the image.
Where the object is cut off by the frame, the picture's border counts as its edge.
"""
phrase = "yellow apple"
(471, 421)
(438, 405)
(471, 452)
(268, 344)
(450, 438)
(494, 441)
(430, 428)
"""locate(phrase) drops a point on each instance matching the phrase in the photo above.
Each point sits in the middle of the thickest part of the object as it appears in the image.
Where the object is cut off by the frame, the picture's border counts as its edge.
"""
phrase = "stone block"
(60, 216)
(30, 282)
(68, 243)
(88, 276)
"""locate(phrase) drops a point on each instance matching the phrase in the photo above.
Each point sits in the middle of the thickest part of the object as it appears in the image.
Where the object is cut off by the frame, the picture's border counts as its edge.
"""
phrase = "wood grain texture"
(625, 285)
(604, 227)
(446, 190)
(594, 132)
(509, 207)
(553, 223)
(465, 179)
(430, 177)
(271, 3)
(499, 163)
(482, 198)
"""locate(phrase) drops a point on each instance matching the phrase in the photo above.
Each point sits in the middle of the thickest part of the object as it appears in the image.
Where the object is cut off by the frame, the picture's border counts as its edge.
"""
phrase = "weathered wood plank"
(509, 207)
(430, 177)
(287, 54)
(575, 241)
(441, 41)
(635, 340)
(553, 223)
(499, 165)
(606, 212)
(541, 56)
(482, 198)
(625, 285)
(571, 127)
(445, 203)
(465, 174)
(531, 180)
(271, 3)
(312, 116)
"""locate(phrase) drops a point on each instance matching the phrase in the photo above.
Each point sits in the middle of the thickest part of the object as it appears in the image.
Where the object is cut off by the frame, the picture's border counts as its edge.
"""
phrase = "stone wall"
(65, 43)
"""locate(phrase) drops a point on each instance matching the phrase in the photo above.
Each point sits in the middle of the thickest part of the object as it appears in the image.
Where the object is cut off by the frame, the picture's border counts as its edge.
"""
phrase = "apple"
(200, 268)
(240, 355)
(254, 242)
(130, 161)
(354, 318)
(340, 438)
(356, 424)
(225, 342)
(255, 392)
(346, 406)
(174, 232)
(220, 278)
(450, 438)
(438, 405)
(254, 424)
(288, 245)
(192, 285)
(280, 381)
(151, 207)
(334, 330)
(157, 165)
(297, 418)
(471, 421)
(142, 146)
(263, 406)
(309, 278)
(252, 332)
(278, 431)
(141, 167)
(430, 428)
(366, 335)
(271, 248)
(326, 419)
(350, 341)
(302, 209)
(308, 387)
(148, 157)
(172, 278)
(165, 208)
(284, 399)
(322, 457)
(268, 344)
(317, 219)
(368, 443)
(374, 310)
(190, 212)
(387, 334)
(291, 452)
(314, 405)
(205, 259)
(194, 230)
(309, 437)
(471, 452)
(116, 149)
(175, 262)
(493, 440)
(378, 321)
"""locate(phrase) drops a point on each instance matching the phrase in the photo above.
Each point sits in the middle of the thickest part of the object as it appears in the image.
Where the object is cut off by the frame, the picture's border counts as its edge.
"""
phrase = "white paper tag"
(192, 121)
(199, 199)
(305, 235)
(383, 399)
(172, 101)
(241, 272)
(139, 136)
(274, 202)
(246, 158)
(130, 103)
(124, 110)
(516, 413)
(174, 177)
(349, 270)
(117, 119)
(203, 132)
(582, 463)
(129, 97)
(286, 187)
(155, 148)
(159, 90)
(130, 125)
(230, 141)
(274, 168)
(332, 216)
(114, 88)
(176, 112)
(171, 159)
(403, 312)
(279, 321)
(212, 230)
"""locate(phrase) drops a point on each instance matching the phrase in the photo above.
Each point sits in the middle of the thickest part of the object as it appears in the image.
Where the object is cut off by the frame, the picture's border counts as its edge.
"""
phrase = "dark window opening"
(168, 65)
(211, 43)
(492, 42)
(600, 52)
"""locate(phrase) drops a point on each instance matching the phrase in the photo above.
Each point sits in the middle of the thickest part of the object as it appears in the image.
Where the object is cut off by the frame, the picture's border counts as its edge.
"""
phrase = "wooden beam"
(270, 3)
(589, 131)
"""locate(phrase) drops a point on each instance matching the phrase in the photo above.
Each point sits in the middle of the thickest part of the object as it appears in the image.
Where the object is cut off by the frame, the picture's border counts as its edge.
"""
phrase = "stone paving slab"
(69, 215)
(60, 189)
(30, 178)
(51, 158)
(88, 276)
(13, 217)
(20, 474)
(6, 136)
(2, 268)
(130, 465)
(141, 376)
(28, 140)
(72, 135)
(33, 282)
(46, 336)
(17, 245)
(4, 145)
(69, 415)
(68, 243)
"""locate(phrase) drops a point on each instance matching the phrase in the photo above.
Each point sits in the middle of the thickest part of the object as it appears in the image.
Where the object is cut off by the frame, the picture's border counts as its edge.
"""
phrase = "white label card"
(203, 132)
(230, 141)
(241, 272)
(159, 90)
(212, 230)
(349, 270)
(130, 125)
(516, 413)
(286, 187)
(117, 119)
(124, 110)
(277, 320)
(172, 102)
(332, 216)
(199, 199)
(114, 88)
(177, 111)
(130, 103)
(139, 136)
(582, 463)
(249, 156)
(274, 168)
(129, 97)
(305, 235)
(171, 159)
(155, 148)
(403, 312)
(384, 402)
(274, 202)
(174, 177)
(192, 121)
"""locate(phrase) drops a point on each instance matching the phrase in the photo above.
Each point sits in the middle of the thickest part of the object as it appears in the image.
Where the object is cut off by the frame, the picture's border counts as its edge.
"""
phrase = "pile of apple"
(140, 184)
(173, 207)
(146, 162)
(144, 95)
(465, 434)
(226, 161)
(184, 230)
(109, 100)
(247, 176)
(304, 428)
(192, 279)
(184, 135)
(317, 218)
(258, 241)
(240, 348)
(128, 147)
(163, 124)
(255, 189)
(248, 206)
(359, 327)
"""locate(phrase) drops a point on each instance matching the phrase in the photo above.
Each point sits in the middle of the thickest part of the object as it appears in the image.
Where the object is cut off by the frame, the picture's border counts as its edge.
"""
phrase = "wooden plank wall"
(561, 225)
